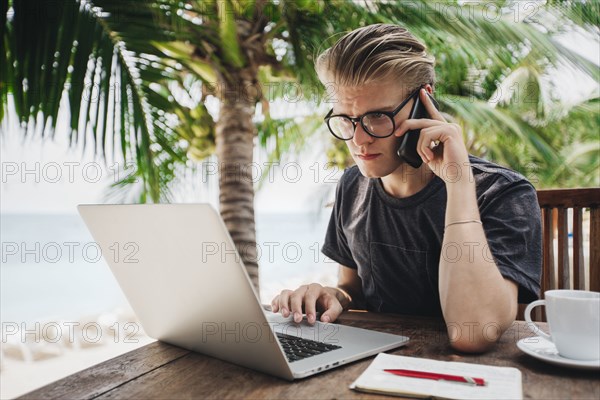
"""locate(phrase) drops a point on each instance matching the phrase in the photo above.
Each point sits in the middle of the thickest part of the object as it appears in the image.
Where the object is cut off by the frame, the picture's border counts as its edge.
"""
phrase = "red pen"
(436, 376)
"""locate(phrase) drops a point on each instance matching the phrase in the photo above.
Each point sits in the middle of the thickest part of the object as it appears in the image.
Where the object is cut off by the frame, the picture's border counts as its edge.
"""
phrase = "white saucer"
(545, 350)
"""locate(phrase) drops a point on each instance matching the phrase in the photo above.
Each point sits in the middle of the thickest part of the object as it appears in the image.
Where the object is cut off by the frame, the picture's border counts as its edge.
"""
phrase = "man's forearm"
(473, 294)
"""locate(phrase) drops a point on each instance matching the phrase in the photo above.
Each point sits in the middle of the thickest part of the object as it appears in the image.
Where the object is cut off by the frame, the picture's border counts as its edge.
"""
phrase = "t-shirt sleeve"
(335, 245)
(512, 223)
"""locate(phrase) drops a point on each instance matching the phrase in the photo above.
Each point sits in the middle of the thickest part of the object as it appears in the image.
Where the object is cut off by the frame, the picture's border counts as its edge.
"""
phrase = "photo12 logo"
(290, 252)
(253, 332)
(65, 172)
(70, 252)
(69, 332)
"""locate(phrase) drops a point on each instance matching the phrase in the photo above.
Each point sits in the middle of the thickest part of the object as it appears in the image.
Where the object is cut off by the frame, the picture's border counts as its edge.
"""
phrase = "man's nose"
(361, 137)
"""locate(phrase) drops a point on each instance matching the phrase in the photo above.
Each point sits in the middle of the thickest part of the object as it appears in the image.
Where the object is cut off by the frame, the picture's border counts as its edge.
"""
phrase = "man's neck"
(406, 181)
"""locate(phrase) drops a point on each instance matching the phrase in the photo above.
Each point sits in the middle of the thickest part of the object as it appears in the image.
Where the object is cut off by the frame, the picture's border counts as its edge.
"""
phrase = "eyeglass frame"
(356, 120)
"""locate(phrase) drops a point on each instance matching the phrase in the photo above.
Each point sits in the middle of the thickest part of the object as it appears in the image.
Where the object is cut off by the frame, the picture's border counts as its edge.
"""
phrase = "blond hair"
(375, 53)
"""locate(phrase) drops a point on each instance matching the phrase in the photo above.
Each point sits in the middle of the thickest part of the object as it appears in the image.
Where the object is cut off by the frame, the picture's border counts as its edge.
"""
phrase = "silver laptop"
(181, 274)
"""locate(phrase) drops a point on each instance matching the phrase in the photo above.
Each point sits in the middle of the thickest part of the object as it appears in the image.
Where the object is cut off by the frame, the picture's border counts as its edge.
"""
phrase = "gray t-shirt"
(396, 244)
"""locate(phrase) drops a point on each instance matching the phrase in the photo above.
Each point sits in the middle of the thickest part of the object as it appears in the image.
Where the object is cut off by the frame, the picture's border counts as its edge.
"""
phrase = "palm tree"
(141, 71)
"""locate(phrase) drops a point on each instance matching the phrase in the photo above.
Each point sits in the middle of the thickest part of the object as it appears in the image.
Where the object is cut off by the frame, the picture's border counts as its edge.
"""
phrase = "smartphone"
(407, 149)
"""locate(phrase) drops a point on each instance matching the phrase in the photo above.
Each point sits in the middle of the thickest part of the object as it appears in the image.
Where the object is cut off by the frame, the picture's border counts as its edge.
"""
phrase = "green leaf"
(244, 8)
(204, 70)
(107, 55)
(230, 45)
(176, 49)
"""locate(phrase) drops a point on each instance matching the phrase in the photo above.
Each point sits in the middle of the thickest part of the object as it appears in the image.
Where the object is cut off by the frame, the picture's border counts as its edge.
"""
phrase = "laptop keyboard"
(297, 348)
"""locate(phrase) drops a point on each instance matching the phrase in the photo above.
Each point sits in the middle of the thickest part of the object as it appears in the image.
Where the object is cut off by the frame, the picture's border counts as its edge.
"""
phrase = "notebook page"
(502, 382)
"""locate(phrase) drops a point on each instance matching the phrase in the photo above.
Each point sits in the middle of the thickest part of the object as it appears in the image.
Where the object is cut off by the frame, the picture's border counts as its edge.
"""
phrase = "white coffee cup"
(574, 322)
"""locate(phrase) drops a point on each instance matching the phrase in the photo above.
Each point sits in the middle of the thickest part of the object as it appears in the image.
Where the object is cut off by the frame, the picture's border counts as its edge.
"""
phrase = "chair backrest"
(581, 270)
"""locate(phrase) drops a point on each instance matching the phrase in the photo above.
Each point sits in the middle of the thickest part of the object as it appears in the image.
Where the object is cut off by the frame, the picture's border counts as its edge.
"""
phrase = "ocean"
(51, 269)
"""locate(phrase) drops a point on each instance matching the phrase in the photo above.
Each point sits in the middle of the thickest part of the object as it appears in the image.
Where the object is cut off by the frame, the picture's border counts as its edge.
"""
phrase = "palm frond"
(523, 91)
(581, 12)
(494, 127)
(77, 49)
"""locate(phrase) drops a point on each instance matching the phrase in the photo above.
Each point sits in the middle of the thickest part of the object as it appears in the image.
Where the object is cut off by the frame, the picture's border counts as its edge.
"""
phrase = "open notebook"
(501, 382)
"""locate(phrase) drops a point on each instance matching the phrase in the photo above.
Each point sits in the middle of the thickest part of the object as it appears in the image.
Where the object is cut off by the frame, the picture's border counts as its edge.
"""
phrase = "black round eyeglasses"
(379, 124)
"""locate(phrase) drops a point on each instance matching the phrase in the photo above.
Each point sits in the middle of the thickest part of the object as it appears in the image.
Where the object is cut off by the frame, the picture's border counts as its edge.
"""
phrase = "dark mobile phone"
(408, 142)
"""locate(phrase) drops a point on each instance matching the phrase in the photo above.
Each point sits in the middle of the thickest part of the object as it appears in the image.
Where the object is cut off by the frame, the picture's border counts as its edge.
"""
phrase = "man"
(458, 237)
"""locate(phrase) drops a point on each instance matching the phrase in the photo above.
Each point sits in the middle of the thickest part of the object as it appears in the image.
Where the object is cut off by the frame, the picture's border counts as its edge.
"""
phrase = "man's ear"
(429, 88)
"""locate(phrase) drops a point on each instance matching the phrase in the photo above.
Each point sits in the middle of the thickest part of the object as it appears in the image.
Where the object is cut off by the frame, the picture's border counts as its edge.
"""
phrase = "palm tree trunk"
(235, 147)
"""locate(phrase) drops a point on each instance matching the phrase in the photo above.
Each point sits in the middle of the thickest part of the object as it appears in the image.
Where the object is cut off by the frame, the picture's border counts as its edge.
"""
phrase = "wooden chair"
(559, 272)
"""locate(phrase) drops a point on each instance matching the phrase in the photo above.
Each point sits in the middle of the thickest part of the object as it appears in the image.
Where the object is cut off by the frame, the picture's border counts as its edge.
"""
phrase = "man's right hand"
(312, 298)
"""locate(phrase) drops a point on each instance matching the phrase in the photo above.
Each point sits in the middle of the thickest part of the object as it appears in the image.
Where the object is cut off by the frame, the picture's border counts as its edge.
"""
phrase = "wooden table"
(162, 371)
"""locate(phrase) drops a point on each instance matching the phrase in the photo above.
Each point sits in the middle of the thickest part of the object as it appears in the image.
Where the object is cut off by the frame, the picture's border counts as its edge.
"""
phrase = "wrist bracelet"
(464, 222)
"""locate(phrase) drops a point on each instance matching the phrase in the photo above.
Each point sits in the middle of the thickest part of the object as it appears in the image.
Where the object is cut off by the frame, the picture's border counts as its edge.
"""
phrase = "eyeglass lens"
(377, 124)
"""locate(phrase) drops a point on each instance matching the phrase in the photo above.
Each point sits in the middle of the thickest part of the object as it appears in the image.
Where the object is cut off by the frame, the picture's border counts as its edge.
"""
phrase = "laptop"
(186, 283)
